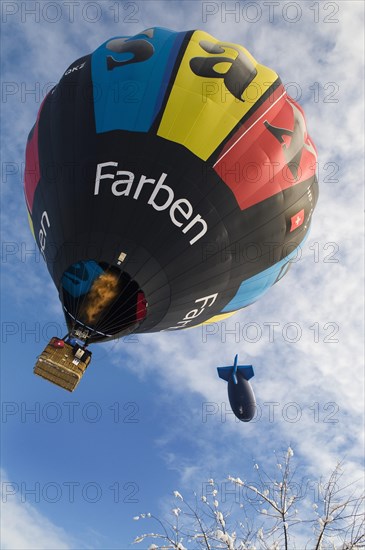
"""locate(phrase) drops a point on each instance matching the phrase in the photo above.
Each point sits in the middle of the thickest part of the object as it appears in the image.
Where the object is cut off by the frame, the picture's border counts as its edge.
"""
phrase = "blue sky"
(149, 417)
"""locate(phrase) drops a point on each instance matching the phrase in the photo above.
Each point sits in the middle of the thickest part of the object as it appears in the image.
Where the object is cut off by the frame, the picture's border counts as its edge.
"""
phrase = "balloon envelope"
(169, 181)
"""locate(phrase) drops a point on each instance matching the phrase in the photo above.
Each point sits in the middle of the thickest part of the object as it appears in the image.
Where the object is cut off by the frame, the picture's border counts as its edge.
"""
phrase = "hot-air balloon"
(170, 181)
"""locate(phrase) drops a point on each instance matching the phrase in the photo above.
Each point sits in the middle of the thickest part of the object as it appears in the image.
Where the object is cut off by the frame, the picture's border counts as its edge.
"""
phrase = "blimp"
(240, 393)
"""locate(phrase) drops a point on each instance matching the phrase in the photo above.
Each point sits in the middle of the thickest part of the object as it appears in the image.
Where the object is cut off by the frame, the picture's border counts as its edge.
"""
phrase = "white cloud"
(24, 528)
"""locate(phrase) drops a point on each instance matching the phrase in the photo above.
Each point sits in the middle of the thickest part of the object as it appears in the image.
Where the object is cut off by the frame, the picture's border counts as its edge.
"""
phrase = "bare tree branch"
(337, 524)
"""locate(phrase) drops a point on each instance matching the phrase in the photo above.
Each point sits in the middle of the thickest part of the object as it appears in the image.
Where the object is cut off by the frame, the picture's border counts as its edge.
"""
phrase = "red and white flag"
(297, 220)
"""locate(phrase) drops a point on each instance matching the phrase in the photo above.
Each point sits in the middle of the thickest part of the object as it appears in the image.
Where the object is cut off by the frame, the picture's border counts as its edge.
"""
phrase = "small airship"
(240, 392)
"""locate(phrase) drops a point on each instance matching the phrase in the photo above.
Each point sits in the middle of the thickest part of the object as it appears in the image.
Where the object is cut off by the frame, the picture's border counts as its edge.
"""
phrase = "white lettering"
(75, 68)
(42, 240)
(177, 206)
(161, 198)
(212, 297)
(199, 219)
(196, 312)
(43, 231)
(192, 314)
(157, 189)
(128, 182)
(45, 218)
(99, 177)
(141, 183)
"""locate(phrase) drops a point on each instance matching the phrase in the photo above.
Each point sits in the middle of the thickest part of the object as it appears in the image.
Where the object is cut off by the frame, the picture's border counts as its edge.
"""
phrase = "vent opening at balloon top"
(102, 298)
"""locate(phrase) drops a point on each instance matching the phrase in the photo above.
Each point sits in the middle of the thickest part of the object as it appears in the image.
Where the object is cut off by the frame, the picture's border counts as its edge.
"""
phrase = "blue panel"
(78, 279)
(252, 289)
(129, 86)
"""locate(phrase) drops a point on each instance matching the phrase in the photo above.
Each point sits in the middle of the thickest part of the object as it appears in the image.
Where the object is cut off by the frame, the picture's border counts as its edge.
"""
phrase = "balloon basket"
(62, 364)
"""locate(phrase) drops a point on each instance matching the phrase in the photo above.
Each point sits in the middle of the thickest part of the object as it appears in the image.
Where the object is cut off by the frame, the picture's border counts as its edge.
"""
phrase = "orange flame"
(103, 291)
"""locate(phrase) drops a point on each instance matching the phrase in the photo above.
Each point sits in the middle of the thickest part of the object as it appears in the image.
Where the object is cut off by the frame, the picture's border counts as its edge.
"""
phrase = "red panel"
(32, 170)
(254, 163)
(141, 307)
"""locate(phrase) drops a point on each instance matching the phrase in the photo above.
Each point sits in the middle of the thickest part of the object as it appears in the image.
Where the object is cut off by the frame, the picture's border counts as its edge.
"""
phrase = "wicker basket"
(61, 366)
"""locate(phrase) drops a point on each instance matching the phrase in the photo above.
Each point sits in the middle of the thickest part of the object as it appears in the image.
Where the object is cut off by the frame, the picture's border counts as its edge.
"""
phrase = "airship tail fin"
(245, 370)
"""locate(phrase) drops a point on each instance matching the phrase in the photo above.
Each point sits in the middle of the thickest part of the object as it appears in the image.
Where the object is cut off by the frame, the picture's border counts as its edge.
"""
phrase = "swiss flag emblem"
(297, 220)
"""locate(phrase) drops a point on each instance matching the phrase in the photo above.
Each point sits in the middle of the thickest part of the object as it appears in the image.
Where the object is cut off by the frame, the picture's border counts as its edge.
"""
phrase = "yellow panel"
(201, 111)
(216, 319)
(31, 225)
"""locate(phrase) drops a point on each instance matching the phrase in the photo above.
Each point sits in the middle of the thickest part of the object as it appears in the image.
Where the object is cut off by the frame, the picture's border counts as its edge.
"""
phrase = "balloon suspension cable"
(104, 314)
